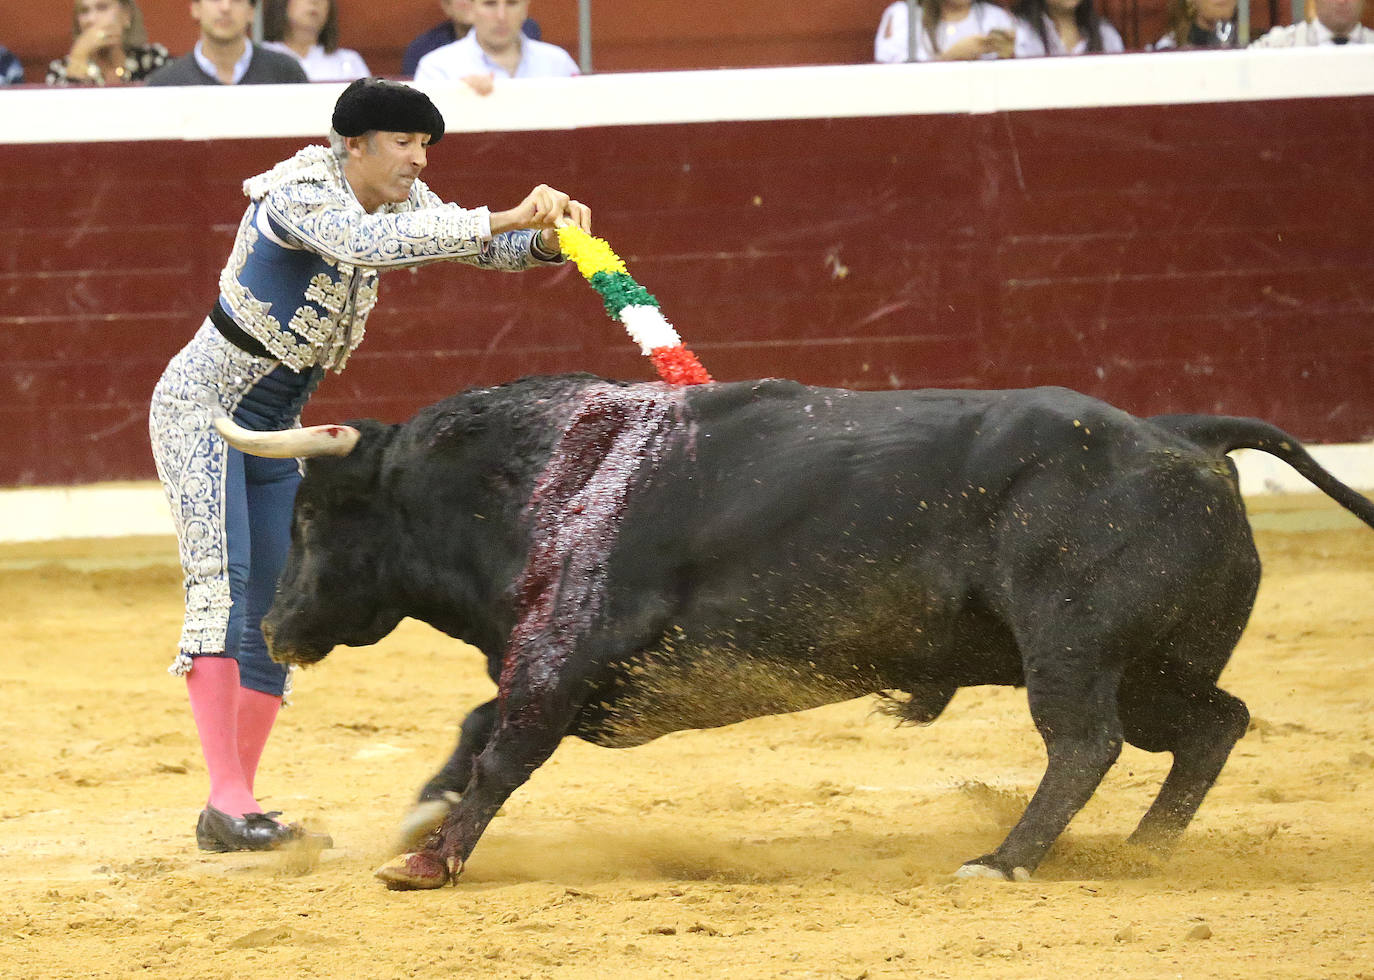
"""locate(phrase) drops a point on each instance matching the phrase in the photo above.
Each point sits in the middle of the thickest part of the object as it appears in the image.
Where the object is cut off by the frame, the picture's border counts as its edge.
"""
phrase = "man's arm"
(321, 221)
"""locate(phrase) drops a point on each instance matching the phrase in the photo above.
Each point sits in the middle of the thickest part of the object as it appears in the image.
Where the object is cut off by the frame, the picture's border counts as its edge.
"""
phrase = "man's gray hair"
(337, 145)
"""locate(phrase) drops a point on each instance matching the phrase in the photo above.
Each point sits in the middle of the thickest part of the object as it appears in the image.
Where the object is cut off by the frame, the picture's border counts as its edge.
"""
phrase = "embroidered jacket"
(302, 276)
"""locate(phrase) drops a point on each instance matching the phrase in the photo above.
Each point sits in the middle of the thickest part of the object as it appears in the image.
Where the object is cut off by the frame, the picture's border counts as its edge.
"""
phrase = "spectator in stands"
(11, 68)
(1199, 24)
(495, 46)
(458, 21)
(946, 30)
(309, 31)
(1054, 27)
(1337, 22)
(109, 46)
(224, 55)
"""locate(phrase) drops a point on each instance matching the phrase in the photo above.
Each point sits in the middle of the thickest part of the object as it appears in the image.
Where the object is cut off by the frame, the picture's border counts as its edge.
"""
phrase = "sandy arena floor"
(810, 845)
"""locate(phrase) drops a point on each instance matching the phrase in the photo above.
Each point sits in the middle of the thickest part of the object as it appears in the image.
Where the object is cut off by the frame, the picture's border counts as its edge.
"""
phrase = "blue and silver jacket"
(302, 276)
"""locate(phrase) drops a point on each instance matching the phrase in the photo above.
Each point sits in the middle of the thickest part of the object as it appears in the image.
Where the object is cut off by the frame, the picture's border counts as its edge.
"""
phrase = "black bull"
(638, 559)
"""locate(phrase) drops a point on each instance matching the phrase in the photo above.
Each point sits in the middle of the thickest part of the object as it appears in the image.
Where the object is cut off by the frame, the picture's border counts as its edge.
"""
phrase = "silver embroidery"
(244, 303)
(329, 293)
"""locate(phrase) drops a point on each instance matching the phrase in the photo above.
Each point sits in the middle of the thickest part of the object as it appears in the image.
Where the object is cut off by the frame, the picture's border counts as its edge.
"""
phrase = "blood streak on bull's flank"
(616, 435)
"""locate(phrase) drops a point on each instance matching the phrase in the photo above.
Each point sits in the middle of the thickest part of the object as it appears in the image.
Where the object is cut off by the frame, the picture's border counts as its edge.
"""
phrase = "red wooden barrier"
(1166, 258)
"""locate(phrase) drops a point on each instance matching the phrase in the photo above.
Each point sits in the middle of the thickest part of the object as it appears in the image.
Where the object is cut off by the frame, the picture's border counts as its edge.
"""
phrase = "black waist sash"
(235, 334)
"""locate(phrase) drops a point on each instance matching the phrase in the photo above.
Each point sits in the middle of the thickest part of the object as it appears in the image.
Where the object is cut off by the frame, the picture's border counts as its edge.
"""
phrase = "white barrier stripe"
(209, 112)
(109, 510)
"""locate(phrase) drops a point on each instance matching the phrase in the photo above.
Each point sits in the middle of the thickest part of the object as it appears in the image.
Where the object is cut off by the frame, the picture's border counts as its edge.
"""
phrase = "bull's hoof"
(423, 819)
(418, 870)
(975, 869)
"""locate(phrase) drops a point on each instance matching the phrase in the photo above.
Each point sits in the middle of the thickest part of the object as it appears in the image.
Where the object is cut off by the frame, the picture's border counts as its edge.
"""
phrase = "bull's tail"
(1221, 434)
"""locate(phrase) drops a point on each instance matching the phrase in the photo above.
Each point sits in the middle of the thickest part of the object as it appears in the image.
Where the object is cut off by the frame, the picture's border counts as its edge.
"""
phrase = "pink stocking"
(257, 712)
(213, 685)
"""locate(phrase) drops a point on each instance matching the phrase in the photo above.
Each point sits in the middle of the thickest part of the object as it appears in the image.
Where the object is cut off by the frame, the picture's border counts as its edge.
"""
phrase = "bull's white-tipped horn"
(314, 440)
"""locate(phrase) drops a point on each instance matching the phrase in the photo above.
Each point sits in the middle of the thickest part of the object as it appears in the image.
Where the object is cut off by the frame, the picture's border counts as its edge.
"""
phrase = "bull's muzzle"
(284, 651)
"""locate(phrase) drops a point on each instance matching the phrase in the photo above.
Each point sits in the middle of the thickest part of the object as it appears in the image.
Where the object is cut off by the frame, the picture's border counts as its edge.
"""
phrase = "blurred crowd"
(966, 30)
(480, 41)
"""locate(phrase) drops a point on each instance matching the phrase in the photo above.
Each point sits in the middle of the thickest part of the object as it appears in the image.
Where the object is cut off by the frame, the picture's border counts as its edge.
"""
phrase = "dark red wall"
(1188, 258)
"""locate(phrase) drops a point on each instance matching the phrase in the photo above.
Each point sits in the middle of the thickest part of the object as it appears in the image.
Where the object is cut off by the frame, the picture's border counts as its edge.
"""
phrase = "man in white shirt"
(495, 47)
(1337, 22)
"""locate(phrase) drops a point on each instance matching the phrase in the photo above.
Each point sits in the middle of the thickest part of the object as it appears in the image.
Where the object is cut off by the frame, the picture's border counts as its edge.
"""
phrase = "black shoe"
(219, 832)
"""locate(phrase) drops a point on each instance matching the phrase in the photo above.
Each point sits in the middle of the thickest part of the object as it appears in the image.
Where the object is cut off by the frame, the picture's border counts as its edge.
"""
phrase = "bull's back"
(800, 468)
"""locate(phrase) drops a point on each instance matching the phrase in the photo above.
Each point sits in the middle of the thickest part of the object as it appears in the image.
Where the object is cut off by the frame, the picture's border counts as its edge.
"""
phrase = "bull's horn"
(315, 440)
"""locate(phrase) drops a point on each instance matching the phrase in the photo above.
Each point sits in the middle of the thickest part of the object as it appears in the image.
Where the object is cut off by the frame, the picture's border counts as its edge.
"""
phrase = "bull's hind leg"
(1169, 699)
(1073, 702)
(1199, 724)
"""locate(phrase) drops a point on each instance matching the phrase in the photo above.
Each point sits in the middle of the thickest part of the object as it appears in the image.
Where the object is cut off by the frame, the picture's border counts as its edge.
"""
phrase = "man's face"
(1339, 16)
(382, 166)
(497, 22)
(224, 21)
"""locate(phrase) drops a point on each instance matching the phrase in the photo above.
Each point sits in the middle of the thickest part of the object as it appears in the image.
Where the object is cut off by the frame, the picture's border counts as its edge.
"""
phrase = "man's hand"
(543, 210)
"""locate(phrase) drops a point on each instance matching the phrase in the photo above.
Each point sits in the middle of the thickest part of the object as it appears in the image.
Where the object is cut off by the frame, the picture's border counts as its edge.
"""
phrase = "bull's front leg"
(441, 793)
(473, 736)
(528, 730)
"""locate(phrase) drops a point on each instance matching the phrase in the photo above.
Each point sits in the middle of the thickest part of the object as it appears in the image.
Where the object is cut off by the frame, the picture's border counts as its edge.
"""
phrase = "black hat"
(375, 103)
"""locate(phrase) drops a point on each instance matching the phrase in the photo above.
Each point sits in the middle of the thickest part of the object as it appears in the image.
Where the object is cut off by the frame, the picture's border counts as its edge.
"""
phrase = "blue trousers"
(258, 497)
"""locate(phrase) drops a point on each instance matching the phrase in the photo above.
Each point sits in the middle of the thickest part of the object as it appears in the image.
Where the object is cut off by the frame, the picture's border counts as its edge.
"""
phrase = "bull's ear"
(370, 430)
(359, 471)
